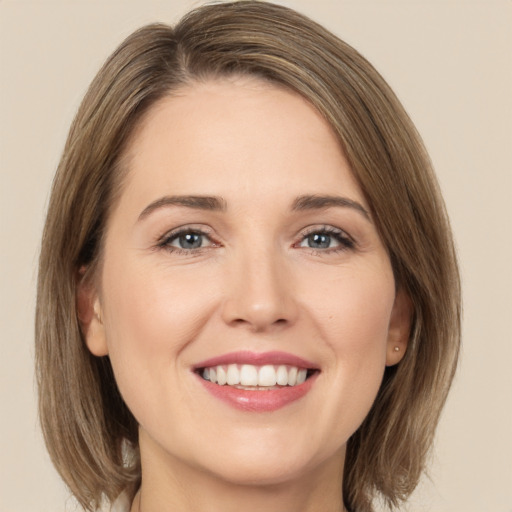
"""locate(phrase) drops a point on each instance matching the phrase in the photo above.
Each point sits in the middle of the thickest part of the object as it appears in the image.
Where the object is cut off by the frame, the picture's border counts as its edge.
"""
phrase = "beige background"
(449, 62)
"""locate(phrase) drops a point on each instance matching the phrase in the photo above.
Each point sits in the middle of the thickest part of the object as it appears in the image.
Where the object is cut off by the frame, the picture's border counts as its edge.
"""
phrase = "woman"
(247, 279)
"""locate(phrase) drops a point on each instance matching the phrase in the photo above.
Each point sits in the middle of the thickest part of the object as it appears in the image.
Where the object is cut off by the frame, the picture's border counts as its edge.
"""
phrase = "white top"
(122, 504)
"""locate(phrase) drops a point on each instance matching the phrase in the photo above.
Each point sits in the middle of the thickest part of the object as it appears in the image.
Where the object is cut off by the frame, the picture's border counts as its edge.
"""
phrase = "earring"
(397, 349)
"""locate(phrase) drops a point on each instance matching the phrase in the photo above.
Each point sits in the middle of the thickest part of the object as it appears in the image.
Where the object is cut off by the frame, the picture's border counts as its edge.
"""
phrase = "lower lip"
(259, 401)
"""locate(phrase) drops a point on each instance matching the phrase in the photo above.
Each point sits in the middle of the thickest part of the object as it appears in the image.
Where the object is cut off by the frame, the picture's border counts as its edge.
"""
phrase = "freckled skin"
(256, 284)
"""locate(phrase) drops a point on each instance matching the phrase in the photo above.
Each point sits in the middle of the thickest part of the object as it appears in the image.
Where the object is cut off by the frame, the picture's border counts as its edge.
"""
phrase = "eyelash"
(168, 238)
(341, 237)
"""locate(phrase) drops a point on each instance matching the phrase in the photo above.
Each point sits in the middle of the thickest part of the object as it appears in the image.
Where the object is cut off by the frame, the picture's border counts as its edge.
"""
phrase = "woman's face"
(240, 260)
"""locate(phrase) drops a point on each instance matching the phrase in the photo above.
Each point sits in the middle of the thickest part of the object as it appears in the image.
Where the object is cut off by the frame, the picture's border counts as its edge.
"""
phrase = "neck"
(168, 486)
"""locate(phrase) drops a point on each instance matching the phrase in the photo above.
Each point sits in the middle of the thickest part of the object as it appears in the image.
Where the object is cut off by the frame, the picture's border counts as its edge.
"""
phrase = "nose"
(260, 292)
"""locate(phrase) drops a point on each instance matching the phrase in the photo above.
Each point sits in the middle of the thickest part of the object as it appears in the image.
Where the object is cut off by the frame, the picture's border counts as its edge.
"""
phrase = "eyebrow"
(316, 202)
(210, 203)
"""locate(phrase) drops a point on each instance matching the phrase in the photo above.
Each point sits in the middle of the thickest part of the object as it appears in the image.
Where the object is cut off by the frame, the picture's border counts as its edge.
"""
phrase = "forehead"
(235, 134)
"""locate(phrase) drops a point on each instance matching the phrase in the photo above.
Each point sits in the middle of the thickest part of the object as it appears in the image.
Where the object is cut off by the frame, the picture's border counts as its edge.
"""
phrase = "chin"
(265, 463)
(262, 473)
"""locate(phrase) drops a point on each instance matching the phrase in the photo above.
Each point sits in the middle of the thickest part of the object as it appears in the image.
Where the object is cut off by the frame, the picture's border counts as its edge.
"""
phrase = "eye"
(318, 241)
(186, 240)
(326, 238)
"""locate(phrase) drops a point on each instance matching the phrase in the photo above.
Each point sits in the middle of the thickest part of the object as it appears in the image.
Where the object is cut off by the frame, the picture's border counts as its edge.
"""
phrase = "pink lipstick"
(258, 382)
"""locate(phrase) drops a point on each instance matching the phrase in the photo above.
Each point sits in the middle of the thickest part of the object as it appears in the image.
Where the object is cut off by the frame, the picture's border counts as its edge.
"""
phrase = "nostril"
(254, 310)
(258, 325)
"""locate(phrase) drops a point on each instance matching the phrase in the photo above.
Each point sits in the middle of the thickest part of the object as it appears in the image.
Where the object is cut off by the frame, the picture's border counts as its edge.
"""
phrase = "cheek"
(364, 321)
(354, 322)
(362, 332)
(151, 309)
(354, 310)
(150, 317)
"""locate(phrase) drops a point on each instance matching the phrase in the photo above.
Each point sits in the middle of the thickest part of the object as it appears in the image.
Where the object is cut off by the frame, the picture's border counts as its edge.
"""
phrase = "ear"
(90, 315)
(399, 328)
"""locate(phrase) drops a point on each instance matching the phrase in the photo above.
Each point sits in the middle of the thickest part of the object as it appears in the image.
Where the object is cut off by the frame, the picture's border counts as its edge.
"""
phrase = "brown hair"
(90, 433)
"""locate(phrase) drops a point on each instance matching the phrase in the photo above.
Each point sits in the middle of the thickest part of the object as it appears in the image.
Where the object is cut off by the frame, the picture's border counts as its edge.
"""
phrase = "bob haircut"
(90, 434)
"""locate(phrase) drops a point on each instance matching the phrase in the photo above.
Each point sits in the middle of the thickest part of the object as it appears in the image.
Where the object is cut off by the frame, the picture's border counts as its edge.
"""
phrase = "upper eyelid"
(203, 230)
(346, 241)
(325, 228)
(165, 241)
(208, 232)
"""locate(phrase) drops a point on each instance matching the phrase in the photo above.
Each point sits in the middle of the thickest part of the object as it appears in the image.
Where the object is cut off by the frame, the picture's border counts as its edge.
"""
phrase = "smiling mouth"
(256, 378)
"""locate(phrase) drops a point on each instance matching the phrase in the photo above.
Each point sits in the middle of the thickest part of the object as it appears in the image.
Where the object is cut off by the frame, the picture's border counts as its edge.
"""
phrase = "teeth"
(301, 376)
(248, 376)
(233, 375)
(282, 376)
(292, 376)
(221, 376)
(267, 376)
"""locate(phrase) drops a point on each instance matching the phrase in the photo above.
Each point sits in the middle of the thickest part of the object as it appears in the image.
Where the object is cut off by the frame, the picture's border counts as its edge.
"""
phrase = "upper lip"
(257, 359)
